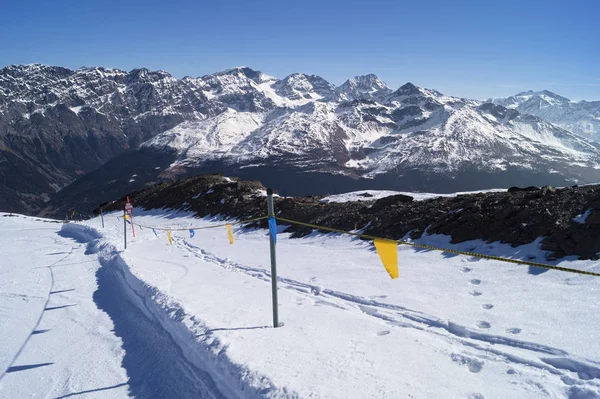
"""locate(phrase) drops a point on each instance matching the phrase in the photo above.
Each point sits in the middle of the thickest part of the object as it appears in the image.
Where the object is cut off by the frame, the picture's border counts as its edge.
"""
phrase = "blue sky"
(475, 49)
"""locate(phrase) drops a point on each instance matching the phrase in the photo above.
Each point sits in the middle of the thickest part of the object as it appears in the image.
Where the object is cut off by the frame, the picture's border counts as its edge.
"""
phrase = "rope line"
(196, 228)
(370, 237)
(433, 248)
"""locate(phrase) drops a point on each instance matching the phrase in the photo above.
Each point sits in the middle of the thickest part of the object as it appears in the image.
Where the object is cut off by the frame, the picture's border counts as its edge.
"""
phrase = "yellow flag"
(169, 237)
(388, 252)
(229, 233)
(125, 217)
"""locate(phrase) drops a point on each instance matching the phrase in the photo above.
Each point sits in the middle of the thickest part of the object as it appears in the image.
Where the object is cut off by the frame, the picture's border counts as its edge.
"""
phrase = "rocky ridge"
(568, 219)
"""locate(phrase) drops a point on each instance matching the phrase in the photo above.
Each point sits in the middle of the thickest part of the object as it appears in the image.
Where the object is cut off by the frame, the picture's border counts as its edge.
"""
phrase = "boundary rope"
(433, 248)
(197, 228)
(370, 237)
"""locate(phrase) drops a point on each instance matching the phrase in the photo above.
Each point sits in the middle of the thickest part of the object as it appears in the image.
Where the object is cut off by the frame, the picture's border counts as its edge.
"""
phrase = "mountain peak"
(243, 72)
(364, 87)
(406, 90)
(35, 69)
(302, 86)
(408, 86)
(547, 94)
(146, 75)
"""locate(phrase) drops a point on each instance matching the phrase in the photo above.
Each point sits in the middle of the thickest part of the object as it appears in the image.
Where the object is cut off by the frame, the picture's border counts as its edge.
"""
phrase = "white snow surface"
(579, 117)
(449, 327)
(424, 129)
(373, 195)
(583, 217)
(55, 341)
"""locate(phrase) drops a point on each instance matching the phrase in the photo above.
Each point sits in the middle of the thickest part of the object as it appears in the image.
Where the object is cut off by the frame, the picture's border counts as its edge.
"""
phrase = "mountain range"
(579, 117)
(75, 138)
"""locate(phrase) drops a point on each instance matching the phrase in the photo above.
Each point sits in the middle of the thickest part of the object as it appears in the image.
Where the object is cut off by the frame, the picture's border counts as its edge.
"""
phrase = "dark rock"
(515, 218)
(519, 189)
(593, 217)
(393, 200)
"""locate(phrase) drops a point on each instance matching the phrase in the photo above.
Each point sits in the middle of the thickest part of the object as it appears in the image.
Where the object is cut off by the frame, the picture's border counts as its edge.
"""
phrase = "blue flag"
(192, 234)
(273, 228)
(154, 231)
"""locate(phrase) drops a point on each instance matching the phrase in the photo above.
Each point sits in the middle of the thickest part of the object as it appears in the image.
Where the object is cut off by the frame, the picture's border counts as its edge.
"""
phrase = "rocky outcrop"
(568, 218)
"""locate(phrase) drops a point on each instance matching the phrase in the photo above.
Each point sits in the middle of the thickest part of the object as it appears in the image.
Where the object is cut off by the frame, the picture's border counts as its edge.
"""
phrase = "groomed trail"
(192, 319)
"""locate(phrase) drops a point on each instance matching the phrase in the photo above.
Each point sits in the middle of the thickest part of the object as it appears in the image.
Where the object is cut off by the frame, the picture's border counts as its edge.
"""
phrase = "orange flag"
(229, 233)
(388, 252)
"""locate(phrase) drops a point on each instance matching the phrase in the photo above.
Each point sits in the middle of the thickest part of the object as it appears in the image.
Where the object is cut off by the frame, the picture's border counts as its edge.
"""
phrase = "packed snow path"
(193, 319)
(68, 328)
(55, 341)
(451, 326)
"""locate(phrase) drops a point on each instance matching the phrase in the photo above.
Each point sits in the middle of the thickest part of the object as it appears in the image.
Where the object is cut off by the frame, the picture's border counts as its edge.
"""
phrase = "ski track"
(44, 308)
(156, 363)
(157, 357)
(418, 320)
(163, 356)
(174, 368)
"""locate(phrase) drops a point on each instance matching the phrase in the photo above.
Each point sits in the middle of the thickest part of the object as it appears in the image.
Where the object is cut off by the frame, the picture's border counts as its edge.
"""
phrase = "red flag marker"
(129, 210)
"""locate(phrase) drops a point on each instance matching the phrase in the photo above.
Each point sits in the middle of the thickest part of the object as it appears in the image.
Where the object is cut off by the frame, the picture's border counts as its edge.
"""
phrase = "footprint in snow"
(466, 269)
(476, 293)
(319, 302)
(487, 306)
(368, 310)
(384, 332)
(475, 281)
(483, 324)
(474, 365)
(513, 330)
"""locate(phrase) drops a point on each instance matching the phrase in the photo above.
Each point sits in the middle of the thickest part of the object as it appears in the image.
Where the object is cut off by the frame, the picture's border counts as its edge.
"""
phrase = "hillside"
(566, 221)
(67, 135)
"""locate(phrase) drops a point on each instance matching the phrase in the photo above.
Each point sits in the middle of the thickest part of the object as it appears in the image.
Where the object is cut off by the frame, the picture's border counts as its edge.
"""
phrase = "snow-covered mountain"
(57, 125)
(367, 86)
(579, 117)
(413, 128)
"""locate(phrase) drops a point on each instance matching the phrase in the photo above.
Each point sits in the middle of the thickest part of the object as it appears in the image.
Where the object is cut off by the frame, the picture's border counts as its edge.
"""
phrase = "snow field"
(193, 319)
(449, 327)
(55, 341)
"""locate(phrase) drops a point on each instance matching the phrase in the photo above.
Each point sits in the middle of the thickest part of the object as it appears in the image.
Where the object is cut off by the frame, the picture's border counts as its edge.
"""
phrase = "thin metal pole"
(271, 213)
(102, 216)
(125, 228)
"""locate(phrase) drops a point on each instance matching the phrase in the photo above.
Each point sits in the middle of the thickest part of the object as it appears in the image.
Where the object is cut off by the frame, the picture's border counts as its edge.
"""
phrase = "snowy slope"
(466, 327)
(240, 117)
(415, 129)
(469, 327)
(196, 317)
(580, 117)
(55, 341)
(374, 195)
